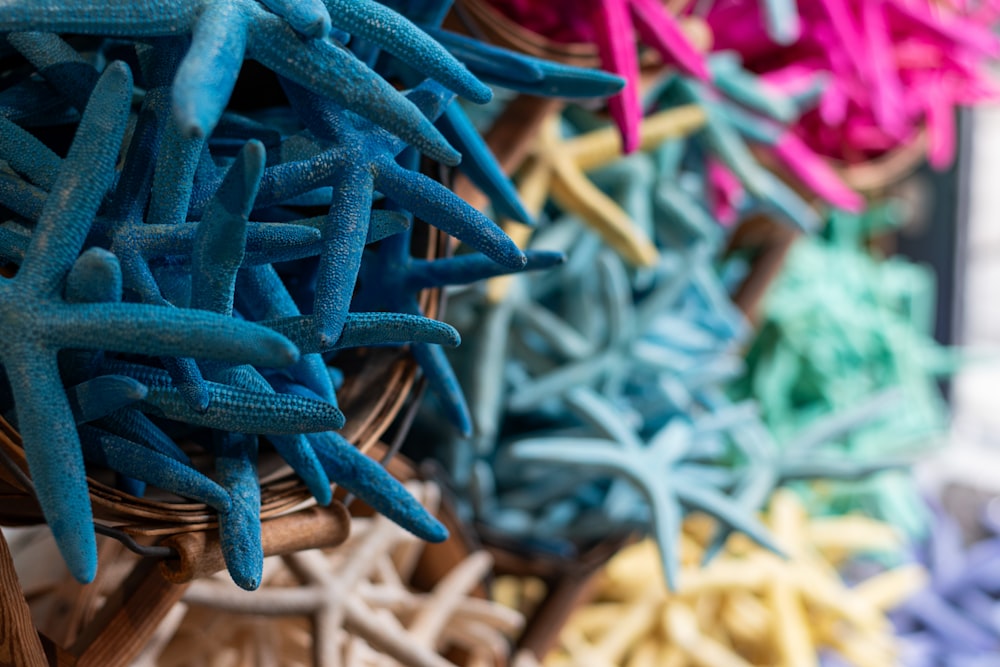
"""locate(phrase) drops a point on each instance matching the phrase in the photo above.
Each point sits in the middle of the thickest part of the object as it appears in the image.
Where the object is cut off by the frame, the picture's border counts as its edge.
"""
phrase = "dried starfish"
(558, 167)
(225, 31)
(655, 468)
(44, 417)
(359, 604)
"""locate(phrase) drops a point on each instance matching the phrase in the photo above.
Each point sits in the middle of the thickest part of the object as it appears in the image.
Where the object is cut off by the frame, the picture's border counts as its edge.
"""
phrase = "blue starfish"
(224, 32)
(391, 279)
(656, 469)
(623, 351)
(499, 67)
(362, 161)
(36, 322)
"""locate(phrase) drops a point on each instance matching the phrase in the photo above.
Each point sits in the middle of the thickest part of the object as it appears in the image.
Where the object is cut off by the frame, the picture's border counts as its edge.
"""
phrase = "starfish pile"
(880, 72)
(748, 607)
(177, 269)
(358, 601)
(828, 346)
(598, 389)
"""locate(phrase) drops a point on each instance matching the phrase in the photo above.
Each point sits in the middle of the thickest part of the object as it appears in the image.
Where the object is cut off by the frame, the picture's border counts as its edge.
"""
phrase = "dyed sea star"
(36, 322)
(223, 32)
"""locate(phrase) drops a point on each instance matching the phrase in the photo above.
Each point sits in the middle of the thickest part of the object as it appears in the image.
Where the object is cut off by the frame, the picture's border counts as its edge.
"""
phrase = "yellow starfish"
(557, 168)
(749, 607)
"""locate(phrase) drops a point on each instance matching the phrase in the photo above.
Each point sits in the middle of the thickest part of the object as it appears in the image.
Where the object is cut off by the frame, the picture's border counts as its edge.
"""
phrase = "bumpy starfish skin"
(37, 322)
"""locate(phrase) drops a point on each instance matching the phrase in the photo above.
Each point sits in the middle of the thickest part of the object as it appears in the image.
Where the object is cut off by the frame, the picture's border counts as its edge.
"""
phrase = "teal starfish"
(36, 322)
(656, 468)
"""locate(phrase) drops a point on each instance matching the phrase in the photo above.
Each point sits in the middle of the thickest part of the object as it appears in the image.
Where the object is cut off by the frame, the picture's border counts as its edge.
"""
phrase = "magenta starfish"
(612, 25)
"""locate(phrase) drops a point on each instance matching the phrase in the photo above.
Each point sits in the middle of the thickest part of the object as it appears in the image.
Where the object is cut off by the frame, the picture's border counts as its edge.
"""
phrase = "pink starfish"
(612, 25)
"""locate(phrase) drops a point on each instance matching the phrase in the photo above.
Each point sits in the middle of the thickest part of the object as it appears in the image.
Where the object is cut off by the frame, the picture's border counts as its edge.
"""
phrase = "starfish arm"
(163, 331)
(666, 528)
(299, 454)
(96, 277)
(114, 18)
(398, 36)
(353, 87)
(52, 448)
(616, 43)
(239, 526)
(444, 384)
(470, 268)
(384, 224)
(268, 243)
(96, 398)
(573, 192)
(370, 482)
(556, 333)
(84, 178)
(480, 165)
(782, 20)
(746, 89)
(136, 427)
(246, 411)
(751, 493)
(13, 244)
(616, 297)
(488, 61)
(725, 510)
(262, 295)
(826, 468)
(207, 74)
(564, 379)
(21, 197)
(127, 458)
(59, 64)
(660, 30)
(841, 423)
(187, 378)
(595, 455)
(525, 74)
(308, 17)
(367, 329)
(173, 176)
(220, 241)
(789, 204)
(600, 415)
(27, 155)
(344, 234)
(431, 201)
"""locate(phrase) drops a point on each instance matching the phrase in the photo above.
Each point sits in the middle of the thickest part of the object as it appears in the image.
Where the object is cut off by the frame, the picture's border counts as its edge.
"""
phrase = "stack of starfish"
(146, 302)
(748, 607)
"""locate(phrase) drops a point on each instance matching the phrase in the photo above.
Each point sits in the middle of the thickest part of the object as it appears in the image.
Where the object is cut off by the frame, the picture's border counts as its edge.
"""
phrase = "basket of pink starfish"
(880, 82)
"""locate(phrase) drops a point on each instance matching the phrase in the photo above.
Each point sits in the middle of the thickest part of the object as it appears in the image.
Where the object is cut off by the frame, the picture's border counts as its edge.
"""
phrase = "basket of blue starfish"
(208, 309)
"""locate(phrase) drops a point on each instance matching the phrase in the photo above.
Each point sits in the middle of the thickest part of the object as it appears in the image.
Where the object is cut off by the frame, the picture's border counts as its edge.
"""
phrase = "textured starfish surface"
(29, 356)
(357, 601)
(224, 32)
(748, 607)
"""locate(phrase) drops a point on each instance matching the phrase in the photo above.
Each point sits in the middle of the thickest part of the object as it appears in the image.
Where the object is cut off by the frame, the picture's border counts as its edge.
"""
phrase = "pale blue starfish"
(656, 468)
(36, 322)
